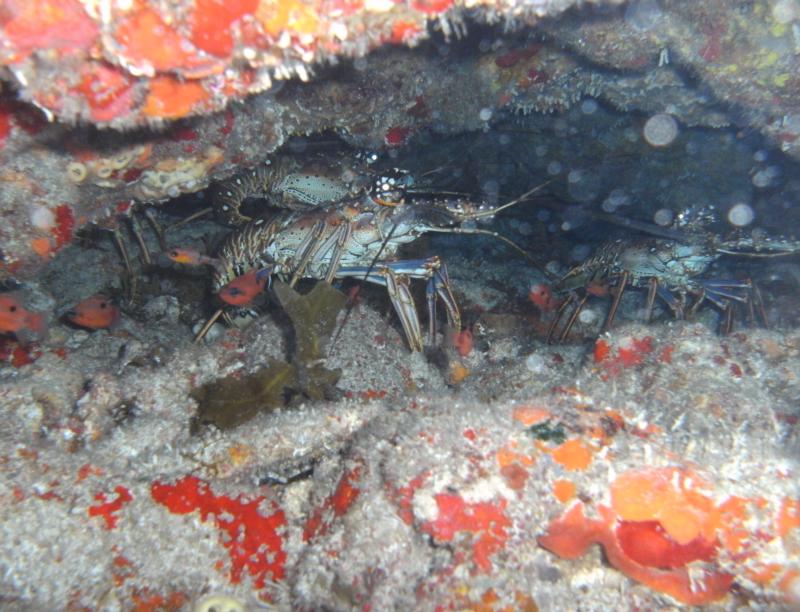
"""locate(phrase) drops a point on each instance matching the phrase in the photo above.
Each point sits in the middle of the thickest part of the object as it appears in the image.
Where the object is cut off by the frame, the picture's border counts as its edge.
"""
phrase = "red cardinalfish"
(542, 295)
(25, 325)
(96, 312)
(243, 289)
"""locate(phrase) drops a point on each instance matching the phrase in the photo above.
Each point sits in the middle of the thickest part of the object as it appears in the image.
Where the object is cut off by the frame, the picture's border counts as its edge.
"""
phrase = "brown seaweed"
(230, 401)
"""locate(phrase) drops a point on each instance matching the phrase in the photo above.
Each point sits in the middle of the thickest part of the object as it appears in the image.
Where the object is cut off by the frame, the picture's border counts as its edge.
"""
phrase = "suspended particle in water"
(491, 188)
(524, 228)
(583, 186)
(553, 268)
(535, 363)
(663, 217)
(616, 199)
(540, 150)
(766, 176)
(660, 130)
(609, 206)
(485, 114)
(642, 15)
(760, 156)
(589, 106)
(575, 176)
(786, 11)
(580, 252)
(761, 179)
(588, 316)
(504, 140)
(554, 167)
(543, 215)
(740, 215)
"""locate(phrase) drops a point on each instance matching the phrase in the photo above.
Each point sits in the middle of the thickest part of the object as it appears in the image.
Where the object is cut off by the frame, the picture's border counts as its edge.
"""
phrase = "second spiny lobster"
(671, 269)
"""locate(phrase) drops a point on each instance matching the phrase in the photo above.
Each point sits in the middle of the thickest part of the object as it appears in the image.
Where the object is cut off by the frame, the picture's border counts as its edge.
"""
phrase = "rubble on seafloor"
(312, 461)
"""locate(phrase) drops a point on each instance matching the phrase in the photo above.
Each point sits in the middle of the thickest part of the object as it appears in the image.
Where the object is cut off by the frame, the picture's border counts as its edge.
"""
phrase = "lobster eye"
(103, 304)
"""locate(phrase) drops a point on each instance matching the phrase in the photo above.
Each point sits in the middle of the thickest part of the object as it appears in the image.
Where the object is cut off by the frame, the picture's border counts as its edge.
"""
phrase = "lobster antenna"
(213, 319)
(754, 255)
(531, 259)
(493, 211)
(642, 226)
(192, 217)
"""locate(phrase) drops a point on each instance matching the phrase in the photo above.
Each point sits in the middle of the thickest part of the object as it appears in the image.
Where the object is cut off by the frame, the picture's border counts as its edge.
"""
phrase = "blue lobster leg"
(721, 292)
(394, 276)
(399, 294)
(439, 284)
(674, 304)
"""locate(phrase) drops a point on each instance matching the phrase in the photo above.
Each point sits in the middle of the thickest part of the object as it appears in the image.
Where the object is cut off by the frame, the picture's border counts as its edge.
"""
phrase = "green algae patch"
(230, 401)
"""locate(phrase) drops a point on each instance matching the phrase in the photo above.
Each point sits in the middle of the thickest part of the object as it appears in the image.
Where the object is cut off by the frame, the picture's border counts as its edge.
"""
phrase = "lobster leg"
(394, 276)
(403, 302)
(131, 284)
(651, 299)
(727, 320)
(573, 317)
(557, 317)
(696, 305)
(150, 215)
(307, 248)
(612, 313)
(136, 230)
(675, 305)
(439, 284)
(758, 302)
(342, 236)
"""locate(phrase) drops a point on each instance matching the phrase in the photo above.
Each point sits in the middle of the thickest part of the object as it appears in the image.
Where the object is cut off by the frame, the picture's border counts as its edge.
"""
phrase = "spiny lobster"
(670, 269)
(358, 238)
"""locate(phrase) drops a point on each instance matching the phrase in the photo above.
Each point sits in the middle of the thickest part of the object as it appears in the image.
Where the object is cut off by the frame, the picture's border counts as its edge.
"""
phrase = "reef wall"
(201, 88)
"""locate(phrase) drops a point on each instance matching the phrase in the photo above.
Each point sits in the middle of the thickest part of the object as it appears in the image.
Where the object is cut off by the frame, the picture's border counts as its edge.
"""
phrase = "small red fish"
(462, 341)
(243, 289)
(191, 257)
(96, 312)
(27, 326)
(542, 295)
